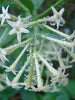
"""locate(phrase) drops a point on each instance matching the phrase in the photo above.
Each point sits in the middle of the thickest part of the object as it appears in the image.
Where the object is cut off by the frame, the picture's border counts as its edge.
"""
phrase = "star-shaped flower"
(3, 55)
(17, 28)
(14, 85)
(4, 14)
(57, 17)
(61, 78)
(44, 88)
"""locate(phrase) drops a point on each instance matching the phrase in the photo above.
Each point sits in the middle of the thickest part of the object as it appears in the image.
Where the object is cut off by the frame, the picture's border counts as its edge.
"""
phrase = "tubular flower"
(17, 28)
(61, 77)
(4, 15)
(57, 17)
(14, 85)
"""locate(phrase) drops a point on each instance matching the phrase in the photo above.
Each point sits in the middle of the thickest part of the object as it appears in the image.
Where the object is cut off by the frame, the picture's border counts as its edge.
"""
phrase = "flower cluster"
(40, 51)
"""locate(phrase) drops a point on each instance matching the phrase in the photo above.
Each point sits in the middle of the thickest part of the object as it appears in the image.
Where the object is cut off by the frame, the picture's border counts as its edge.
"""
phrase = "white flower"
(3, 55)
(17, 28)
(44, 88)
(4, 15)
(61, 77)
(57, 17)
(14, 85)
(7, 68)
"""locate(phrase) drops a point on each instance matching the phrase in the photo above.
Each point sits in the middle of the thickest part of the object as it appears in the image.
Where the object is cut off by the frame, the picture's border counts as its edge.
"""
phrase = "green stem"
(12, 67)
(16, 79)
(68, 51)
(56, 5)
(49, 67)
(39, 80)
(59, 58)
(30, 76)
(68, 44)
(58, 32)
(14, 47)
(3, 35)
(38, 21)
(22, 19)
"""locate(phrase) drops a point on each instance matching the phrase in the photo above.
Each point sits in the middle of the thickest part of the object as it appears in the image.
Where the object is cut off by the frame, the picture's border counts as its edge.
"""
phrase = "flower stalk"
(10, 49)
(68, 44)
(49, 67)
(30, 76)
(16, 79)
(59, 58)
(3, 35)
(58, 32)
(39, 80)
(12, 67)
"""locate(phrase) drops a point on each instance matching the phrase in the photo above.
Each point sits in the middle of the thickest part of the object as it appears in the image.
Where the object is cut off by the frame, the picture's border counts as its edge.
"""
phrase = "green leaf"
(50, 96)
(51, 33)
(7, 93)
(28, 95)
(62, 95)
(7, 38)
(71, 88)
(5, 3)
(37, 3)
(44, 28)
(73, 71)
(28, 4)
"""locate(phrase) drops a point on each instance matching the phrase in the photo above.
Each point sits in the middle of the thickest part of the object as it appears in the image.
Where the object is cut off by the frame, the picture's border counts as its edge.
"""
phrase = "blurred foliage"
(65, 93)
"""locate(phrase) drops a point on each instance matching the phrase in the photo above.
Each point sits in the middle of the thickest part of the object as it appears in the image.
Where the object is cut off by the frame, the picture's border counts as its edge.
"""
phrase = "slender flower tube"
(58, 32)
(49, 67)
(68, 44)
(16, 79)
(10, 49)
(35, 22)
(14, 85)
(39, 80)
(12, 67)
(59, 58)
(30, 76)
(3, 35)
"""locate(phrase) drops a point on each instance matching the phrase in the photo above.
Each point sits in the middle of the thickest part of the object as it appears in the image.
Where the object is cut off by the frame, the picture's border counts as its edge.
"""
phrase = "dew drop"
(44, 23)
(52, 23)
(61, 24)
(31, 43)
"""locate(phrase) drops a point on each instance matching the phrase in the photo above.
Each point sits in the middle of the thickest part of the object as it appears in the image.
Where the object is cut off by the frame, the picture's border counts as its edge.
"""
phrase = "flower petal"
(61, 11)
(3, 19)
(24, 30)
(54, 10)
(19, 37)
(13, 24)
(12, 32)
(7, 16)
(7, 8)
(19, 21)
(3, 9)
(62, 22)
(7, 81)
(52, 18)
(58, 23)
(1, 15)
